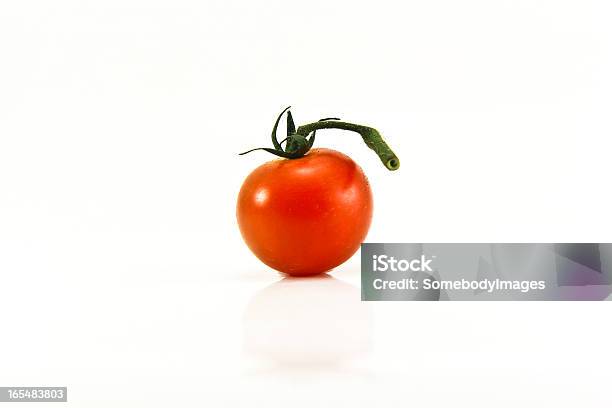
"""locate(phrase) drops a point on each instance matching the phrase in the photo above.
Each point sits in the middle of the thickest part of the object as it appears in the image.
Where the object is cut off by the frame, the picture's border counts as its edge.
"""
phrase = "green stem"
(370, 136)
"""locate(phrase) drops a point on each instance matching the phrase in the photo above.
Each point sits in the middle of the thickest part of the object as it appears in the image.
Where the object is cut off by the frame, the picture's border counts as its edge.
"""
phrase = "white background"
(123, 274)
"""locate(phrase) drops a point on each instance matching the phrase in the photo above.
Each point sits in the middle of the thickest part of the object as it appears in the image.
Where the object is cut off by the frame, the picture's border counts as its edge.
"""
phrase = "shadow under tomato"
(307, 323)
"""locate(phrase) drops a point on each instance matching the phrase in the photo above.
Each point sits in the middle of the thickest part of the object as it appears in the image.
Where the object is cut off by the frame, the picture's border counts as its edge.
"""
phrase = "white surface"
(120, 260)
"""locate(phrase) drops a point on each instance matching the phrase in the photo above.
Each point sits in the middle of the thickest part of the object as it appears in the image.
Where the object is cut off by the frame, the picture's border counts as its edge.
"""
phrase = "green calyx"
(299, 141)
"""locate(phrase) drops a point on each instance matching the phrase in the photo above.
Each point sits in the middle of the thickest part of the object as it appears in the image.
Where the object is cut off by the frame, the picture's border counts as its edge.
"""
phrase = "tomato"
(307, 215)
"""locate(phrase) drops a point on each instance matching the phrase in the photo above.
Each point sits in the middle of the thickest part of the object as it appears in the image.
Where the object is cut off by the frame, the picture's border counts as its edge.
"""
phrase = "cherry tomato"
(305, 216)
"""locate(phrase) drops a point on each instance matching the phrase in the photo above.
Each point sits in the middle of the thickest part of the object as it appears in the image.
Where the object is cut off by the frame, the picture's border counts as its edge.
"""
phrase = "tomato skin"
(305, 216)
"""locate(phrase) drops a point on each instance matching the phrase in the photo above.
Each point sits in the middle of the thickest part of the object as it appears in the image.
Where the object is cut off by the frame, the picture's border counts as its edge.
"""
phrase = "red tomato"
(305, 216)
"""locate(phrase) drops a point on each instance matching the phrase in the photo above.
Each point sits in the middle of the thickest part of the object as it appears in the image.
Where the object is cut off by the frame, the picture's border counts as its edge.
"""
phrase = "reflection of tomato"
(305, 216)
